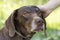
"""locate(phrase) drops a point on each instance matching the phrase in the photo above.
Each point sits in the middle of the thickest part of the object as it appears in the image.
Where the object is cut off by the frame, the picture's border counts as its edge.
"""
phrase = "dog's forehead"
(29, 9)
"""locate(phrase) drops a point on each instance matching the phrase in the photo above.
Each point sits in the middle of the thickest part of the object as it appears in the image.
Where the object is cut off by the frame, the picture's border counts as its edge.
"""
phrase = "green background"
(53, 20)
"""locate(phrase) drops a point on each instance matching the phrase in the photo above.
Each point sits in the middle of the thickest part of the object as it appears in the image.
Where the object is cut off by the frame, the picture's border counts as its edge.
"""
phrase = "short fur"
(16, 22)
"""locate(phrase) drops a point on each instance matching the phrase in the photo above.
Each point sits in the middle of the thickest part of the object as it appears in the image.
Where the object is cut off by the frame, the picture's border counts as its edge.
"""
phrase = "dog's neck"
(20, 30)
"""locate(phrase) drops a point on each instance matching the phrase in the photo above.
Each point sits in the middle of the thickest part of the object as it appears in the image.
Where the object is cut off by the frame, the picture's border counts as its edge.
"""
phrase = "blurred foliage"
(53, 20)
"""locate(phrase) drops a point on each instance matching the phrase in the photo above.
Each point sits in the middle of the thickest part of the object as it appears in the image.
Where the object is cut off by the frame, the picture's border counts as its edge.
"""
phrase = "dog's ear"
(10, 23)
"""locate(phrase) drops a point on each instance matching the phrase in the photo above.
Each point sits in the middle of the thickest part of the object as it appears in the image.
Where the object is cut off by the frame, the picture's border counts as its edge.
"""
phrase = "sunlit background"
(53, 20)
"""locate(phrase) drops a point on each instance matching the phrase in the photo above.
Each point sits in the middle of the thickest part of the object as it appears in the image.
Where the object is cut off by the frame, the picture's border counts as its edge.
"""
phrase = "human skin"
(49, 7)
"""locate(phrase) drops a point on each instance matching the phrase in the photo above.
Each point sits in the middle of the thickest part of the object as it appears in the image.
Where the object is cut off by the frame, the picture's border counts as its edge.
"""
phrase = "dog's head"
(29, 16)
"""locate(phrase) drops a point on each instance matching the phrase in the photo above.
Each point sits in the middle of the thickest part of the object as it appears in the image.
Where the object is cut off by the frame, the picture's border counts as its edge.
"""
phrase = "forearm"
(52, 4)
(49, 7)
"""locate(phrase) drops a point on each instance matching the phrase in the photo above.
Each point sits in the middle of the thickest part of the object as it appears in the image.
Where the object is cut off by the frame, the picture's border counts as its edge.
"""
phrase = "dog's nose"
(37, 21)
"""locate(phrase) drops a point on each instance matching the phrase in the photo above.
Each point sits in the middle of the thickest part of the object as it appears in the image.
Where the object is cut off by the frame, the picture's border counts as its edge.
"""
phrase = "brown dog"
(23, 23)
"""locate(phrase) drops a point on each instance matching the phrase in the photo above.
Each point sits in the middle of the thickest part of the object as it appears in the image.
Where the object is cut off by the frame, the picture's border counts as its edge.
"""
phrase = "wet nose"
(37, 21)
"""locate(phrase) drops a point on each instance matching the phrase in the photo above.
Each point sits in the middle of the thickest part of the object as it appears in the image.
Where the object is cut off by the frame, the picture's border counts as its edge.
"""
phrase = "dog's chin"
(39, 28)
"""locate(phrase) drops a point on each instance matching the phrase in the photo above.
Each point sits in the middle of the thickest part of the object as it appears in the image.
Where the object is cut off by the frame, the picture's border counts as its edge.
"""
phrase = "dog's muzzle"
(37, 24)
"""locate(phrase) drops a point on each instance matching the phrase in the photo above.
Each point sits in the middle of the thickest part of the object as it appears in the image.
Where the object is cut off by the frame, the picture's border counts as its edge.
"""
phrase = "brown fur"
(16, 22)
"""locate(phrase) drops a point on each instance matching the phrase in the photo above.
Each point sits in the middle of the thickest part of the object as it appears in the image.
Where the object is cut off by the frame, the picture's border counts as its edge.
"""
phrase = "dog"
(23, 23)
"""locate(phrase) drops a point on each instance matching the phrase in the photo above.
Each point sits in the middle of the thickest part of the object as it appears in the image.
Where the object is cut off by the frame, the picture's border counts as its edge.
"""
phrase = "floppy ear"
(10, 23)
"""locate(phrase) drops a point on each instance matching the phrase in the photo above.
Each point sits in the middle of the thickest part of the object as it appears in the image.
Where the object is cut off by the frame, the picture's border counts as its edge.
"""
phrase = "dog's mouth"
(39, 27)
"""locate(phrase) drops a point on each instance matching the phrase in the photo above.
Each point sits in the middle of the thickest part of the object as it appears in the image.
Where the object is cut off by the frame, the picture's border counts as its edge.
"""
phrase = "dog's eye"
(26, 15)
